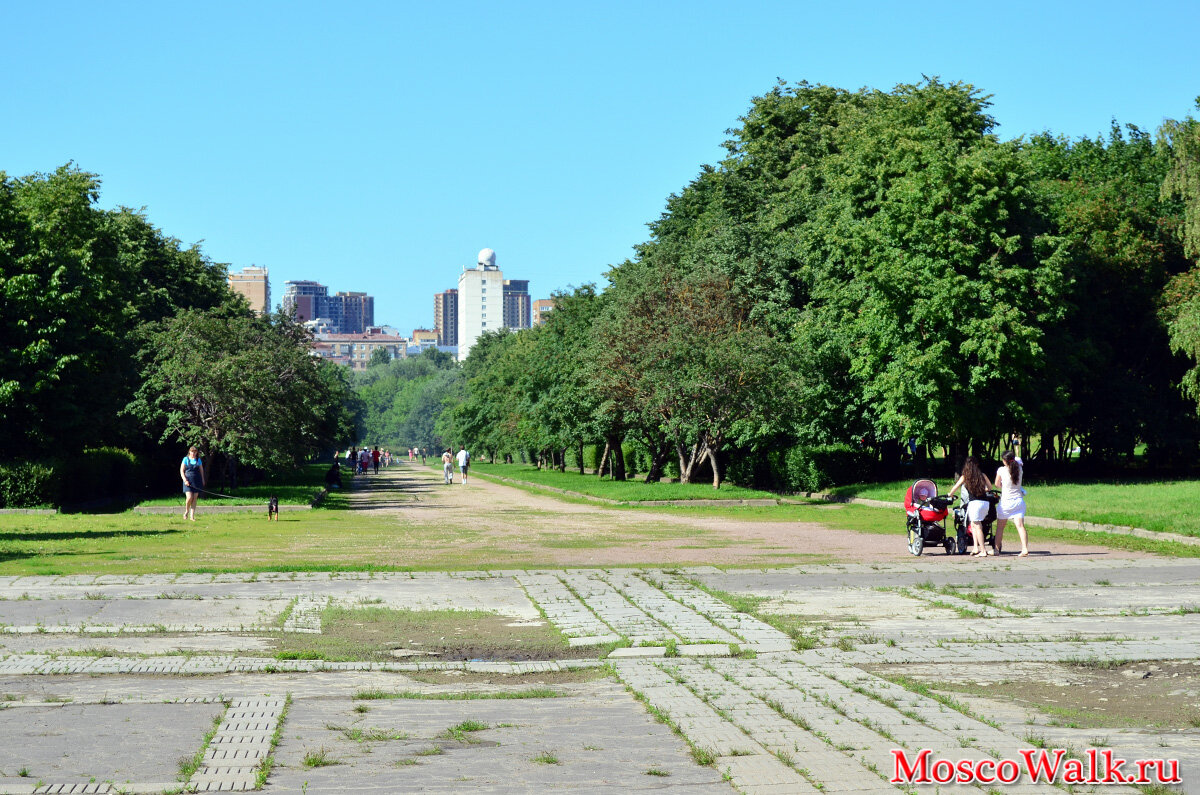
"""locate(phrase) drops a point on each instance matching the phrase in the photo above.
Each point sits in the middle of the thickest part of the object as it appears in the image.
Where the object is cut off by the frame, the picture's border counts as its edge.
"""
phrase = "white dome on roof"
(487, 258)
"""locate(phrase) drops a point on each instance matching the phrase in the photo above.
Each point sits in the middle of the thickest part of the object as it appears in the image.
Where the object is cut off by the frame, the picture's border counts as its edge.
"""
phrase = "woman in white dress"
(1012, 500)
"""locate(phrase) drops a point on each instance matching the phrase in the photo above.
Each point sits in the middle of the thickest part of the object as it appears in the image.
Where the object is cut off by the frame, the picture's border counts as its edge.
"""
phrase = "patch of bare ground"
(485, 519)
(1087, 694)
(540, 678)
(382, 634)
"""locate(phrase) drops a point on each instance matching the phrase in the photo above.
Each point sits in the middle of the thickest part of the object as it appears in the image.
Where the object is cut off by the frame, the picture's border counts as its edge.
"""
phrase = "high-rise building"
(539, 310)
(304, 299)
(353, 312)
(346, 313)
(254, 283)
(516, 303)
(480, 301)
(445, 317)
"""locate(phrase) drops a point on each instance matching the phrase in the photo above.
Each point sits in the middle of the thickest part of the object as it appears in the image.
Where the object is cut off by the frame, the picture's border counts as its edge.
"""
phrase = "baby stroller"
(927, 518)
(962, 525)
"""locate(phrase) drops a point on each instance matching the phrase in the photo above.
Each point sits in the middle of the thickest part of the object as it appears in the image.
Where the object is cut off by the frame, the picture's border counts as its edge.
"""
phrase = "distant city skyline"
(377, 149)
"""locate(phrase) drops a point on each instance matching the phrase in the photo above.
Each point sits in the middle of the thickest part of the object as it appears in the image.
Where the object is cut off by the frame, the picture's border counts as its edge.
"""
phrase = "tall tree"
(242, 386)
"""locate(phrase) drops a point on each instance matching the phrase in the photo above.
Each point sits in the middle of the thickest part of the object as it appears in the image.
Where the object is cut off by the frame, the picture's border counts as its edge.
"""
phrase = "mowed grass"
(295, 487)
(349, 540)
(622, 491)
(1164, 506)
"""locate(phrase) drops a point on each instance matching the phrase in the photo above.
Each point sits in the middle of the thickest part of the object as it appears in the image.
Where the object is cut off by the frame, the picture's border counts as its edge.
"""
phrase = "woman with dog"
(975, 485)
(1012, 500)
(191, 471)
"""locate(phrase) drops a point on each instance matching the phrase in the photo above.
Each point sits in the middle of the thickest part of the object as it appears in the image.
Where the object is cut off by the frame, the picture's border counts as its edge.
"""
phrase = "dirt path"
(535, 528)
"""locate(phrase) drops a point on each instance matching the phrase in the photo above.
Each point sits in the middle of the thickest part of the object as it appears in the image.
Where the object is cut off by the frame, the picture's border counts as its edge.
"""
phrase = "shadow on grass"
(7, 536)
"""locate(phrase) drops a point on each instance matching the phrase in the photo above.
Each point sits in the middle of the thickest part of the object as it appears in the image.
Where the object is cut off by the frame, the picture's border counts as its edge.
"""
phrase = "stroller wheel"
(916, 541)
(949, 546)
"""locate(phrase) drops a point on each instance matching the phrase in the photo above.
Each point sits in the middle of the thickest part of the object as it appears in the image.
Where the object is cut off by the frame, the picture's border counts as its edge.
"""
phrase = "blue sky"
(378, 146)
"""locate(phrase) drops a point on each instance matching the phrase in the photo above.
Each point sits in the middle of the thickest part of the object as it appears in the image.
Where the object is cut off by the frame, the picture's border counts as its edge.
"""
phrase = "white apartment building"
(480, 301)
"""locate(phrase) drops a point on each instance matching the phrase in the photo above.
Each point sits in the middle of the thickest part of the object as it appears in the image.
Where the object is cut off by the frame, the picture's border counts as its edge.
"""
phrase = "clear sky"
(378, 146)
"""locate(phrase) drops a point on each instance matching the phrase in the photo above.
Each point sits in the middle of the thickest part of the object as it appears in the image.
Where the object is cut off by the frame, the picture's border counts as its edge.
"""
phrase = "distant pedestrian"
(191, 471)
(448, 466)
(422, 456)
(364, 460)
(375, 459)
(464, 463)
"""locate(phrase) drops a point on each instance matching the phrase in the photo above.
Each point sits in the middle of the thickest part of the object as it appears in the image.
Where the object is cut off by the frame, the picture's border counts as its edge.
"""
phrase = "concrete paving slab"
(597, 739)
(79, 743)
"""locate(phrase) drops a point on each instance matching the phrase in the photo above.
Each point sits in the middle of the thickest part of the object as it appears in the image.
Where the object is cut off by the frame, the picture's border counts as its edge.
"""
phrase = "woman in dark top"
(974, 485)
(191, 471)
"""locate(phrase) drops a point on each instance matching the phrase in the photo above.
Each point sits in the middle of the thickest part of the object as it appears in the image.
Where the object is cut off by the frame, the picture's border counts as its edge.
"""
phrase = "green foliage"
(402, 399)
(28, 484)
(818, 467)
(240, 385)
(75, 283)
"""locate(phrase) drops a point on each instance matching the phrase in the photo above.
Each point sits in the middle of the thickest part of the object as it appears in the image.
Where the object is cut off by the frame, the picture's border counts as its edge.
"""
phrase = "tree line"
(871, 274)
(118, 336)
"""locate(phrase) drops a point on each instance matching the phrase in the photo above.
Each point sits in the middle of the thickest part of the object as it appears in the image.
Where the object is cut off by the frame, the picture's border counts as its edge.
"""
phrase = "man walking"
(464, 462)
(448, 466)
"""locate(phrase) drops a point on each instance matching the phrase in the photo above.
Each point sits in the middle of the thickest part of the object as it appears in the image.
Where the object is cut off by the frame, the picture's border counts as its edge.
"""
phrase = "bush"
(28, 485)
(819, 467)
(100, 474)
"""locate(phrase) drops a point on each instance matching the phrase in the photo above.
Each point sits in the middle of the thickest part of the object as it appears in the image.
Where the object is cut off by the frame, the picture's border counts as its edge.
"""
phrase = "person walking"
(375, 459)
(1009, 477)
(191, 471)
(464, 462)
(364, 460)
(974, 485)
(448, 466)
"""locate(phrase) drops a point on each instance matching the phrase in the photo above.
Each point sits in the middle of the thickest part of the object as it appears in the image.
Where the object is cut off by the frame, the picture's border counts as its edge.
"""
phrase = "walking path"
(107, 682)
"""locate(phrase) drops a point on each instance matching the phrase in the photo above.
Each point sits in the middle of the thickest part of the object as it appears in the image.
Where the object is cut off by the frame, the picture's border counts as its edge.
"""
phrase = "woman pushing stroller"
(975, 486)
(978, 501)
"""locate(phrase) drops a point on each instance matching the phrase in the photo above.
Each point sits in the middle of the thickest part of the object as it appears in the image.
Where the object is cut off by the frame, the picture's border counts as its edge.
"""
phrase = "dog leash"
(215, 494)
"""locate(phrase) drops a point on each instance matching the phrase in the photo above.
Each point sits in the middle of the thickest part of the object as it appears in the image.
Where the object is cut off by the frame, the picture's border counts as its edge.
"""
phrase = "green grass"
(296, 487)
(1164, 506)
(626, 491)
(333, 541)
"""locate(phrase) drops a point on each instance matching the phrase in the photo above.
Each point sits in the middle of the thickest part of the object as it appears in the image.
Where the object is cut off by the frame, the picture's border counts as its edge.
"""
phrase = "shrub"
(819, 467)
(101, 473)
(28, 484)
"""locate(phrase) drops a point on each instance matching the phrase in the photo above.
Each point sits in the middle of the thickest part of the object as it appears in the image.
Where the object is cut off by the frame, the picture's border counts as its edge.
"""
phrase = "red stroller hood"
(924, 490)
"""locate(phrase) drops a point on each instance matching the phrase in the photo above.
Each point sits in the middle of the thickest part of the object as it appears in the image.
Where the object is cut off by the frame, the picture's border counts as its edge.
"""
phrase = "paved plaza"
(108, 681)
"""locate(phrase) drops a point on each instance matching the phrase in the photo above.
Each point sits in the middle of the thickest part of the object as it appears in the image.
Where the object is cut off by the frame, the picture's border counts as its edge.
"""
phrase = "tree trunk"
(616, 457)
(580, 448)
(603, 461)
(689, 458)
(712, 459)
(562, 460)
(658, 460)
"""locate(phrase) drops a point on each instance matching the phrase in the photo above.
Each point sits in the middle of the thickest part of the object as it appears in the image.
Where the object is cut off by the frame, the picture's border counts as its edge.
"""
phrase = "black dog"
(273, 508)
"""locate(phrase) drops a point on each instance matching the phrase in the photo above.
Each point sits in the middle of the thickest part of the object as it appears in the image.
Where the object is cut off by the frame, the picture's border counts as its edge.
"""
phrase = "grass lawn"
(1169, 506)
(624, 491)
(340, 538)
(296, 487)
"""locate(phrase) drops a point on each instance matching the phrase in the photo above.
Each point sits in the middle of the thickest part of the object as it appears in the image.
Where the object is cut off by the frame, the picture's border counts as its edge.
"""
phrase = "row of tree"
(117, 335)
(868, 268)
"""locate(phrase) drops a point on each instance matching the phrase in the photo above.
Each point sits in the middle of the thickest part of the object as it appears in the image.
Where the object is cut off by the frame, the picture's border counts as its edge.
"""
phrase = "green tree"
(379, 356)
(680, 348)
(241, 385)
(75, 283)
